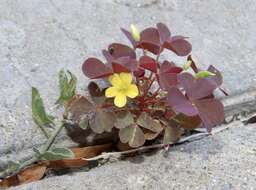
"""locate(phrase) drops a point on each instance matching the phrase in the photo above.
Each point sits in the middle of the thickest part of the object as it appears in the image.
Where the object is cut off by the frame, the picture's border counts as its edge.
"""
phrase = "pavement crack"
(143, 4)
(55, 7)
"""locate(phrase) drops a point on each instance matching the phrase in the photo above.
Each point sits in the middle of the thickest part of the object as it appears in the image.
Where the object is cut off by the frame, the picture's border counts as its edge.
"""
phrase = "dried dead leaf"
(132, 135)
(32, 173)
(80, 153)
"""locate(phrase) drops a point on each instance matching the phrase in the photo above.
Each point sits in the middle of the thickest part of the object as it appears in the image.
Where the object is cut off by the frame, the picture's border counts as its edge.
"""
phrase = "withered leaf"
(102, 121)
(172, 134)
(85, 152)
(149, 135)
(124, 119)
(123, 146)
(32, 173)
(79, 107)
(149, 123)
(187, 122)
(36, 172)
(132, 135)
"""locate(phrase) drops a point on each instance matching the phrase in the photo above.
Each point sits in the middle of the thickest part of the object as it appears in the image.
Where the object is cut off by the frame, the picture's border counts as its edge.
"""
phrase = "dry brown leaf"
(85, 152)
(32, 173)
(91, 151)
(123, 146)
(9, 181)
(36, 172)
(72, 163)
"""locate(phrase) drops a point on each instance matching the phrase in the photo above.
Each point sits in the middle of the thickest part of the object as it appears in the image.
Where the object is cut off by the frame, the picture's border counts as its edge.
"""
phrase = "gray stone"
(39, 37)
(223, 161)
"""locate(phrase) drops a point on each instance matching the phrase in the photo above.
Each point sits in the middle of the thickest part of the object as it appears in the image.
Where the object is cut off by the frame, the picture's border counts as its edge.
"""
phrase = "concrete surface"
(225, 161)
(39, 37)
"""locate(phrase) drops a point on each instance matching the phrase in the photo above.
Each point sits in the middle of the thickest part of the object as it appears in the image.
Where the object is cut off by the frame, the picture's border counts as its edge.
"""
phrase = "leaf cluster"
(173, 98)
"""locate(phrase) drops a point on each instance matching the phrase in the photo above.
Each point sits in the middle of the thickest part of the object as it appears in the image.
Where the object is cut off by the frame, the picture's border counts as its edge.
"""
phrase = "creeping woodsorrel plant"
(146, 98)
(136, 95)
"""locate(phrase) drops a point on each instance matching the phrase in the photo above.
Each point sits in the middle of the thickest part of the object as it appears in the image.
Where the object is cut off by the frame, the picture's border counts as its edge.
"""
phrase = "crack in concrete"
(55, 7)
(138, 5)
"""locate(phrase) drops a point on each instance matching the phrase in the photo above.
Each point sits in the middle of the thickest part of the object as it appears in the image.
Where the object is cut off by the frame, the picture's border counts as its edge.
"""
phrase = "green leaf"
(124, 119)
(13, 166)
(67, 86)
(172, 134)
(57, 154)
(102, 121)
(149, 123)
(84, 123)
(204, 74)
(38, 153)
(38, 111)
(132, 135)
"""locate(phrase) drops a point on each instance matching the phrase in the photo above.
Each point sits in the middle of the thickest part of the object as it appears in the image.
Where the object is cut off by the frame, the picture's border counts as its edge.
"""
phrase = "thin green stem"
(52, 138)
(44, 131)
(35, 158)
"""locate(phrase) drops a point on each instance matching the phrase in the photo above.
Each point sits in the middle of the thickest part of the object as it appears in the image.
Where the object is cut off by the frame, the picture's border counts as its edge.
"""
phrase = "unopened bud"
(135, 33)
(187, 65)
(204, 74)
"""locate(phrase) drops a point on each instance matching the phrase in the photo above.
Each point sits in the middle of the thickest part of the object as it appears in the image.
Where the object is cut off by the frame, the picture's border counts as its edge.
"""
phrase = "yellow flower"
(121, 88)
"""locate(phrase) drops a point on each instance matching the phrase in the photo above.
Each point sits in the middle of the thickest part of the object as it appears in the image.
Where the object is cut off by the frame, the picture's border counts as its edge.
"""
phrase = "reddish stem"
(149, 86)
(158, 56)
(104, 106)
(155, 93)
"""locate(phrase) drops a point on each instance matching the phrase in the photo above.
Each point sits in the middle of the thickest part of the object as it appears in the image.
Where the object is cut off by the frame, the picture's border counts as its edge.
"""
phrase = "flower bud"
(187, 65)
(204, 74)
(135, 33)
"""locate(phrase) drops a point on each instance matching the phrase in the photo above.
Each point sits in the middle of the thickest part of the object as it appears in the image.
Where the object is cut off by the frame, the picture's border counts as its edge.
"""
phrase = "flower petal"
(132, 91)
(111, 92)
(120, 100)
(115, 80)
(126, 77)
